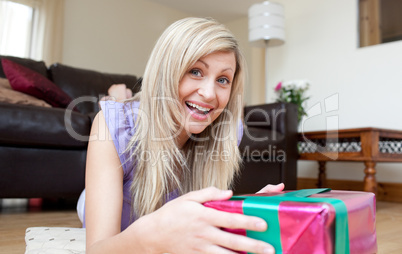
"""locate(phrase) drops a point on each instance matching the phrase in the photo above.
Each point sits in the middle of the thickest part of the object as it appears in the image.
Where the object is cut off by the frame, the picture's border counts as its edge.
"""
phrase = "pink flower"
(278, 87)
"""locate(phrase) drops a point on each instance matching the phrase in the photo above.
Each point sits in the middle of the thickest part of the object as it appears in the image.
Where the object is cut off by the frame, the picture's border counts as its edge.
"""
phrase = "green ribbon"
(267, 209)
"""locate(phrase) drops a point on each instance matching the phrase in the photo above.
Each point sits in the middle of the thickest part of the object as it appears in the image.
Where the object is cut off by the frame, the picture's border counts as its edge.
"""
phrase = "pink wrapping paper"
(308, 228)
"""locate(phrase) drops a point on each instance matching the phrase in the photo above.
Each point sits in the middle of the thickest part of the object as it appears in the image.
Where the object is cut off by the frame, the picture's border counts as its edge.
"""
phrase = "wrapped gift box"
(310, 221)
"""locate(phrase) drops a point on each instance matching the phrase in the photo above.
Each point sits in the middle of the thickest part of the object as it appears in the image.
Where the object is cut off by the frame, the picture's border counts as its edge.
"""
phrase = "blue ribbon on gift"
(266, 207)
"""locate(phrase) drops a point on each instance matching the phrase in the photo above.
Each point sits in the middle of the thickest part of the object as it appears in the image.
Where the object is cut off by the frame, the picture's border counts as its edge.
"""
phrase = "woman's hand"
(184, 225)
(272, 188)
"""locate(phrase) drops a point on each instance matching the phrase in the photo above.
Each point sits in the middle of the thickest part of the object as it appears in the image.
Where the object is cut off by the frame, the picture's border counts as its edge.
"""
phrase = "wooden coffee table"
(368, 145)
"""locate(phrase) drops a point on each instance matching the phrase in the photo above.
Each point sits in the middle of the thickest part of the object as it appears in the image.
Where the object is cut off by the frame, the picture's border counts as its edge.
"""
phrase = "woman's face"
(204, 90)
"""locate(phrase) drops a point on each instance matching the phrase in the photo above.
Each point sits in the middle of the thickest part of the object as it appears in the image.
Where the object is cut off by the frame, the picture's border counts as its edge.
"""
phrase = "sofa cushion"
(26, 126)
(25, 80)
(88, 86)
(38, 66)
(7, 94)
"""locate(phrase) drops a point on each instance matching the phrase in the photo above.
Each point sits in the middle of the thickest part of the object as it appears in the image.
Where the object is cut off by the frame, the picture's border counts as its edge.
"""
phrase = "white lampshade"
(266, 24)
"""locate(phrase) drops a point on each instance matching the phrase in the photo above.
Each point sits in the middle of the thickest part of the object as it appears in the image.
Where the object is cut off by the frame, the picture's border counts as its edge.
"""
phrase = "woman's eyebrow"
(228, 69)
(207, 66)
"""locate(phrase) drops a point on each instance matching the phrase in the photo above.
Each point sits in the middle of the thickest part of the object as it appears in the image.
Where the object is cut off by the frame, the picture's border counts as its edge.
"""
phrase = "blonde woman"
(155, 158)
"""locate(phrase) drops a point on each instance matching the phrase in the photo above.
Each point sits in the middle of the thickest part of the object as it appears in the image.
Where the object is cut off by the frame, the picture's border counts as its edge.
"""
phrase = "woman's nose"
(207, 90)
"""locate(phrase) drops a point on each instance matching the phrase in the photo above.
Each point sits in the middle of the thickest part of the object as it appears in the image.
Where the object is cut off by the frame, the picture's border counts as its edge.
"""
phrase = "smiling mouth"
(198, 109)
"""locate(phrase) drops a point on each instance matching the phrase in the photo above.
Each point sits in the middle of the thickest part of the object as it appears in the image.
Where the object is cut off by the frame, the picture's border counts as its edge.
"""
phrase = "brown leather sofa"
(39, 157)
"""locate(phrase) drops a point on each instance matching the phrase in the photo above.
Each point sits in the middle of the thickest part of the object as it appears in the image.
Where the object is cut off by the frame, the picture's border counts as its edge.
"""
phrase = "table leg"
(322, 175)
(370, 182)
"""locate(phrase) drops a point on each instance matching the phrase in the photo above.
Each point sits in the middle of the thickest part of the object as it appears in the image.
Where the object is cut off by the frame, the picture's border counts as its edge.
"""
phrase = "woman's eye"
(195, 72)
(224, 81)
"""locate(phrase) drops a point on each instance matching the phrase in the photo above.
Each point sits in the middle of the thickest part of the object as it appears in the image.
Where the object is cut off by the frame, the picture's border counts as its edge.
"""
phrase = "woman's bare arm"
(104, 189)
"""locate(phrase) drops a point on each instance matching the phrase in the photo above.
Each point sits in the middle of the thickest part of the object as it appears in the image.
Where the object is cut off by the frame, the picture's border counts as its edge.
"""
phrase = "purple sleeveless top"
(120, 119)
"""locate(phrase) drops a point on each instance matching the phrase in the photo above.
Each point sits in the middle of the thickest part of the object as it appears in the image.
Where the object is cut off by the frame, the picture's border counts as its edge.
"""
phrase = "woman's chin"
(197, 129)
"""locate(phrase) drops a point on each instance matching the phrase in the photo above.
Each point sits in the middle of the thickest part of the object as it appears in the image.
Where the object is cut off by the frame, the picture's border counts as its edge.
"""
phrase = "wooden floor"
(389, 227)
(13, 225)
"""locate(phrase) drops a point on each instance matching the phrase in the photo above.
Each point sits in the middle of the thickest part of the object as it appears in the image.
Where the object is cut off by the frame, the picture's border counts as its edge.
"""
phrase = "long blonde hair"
(161, 168)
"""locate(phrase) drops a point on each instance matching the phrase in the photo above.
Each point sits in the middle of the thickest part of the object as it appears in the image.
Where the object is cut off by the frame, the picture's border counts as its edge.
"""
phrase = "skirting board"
(390, 192)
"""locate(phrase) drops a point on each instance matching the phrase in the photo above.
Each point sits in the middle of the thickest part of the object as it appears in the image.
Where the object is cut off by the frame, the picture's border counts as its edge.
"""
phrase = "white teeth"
(198, 107)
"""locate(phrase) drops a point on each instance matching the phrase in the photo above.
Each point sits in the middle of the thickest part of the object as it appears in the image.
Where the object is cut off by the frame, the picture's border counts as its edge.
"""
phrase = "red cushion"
(30, 82)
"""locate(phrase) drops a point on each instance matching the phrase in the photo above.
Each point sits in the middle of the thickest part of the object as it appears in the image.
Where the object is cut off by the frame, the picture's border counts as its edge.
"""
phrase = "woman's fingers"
(208, 194)
(220, 218)
(191, 226)
(272, 188)
(214, 249)
(241, 243)
(234, 220)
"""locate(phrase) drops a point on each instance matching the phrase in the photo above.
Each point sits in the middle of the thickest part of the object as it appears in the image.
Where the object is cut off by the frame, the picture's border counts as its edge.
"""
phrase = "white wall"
(321, 46)
(113, 36)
